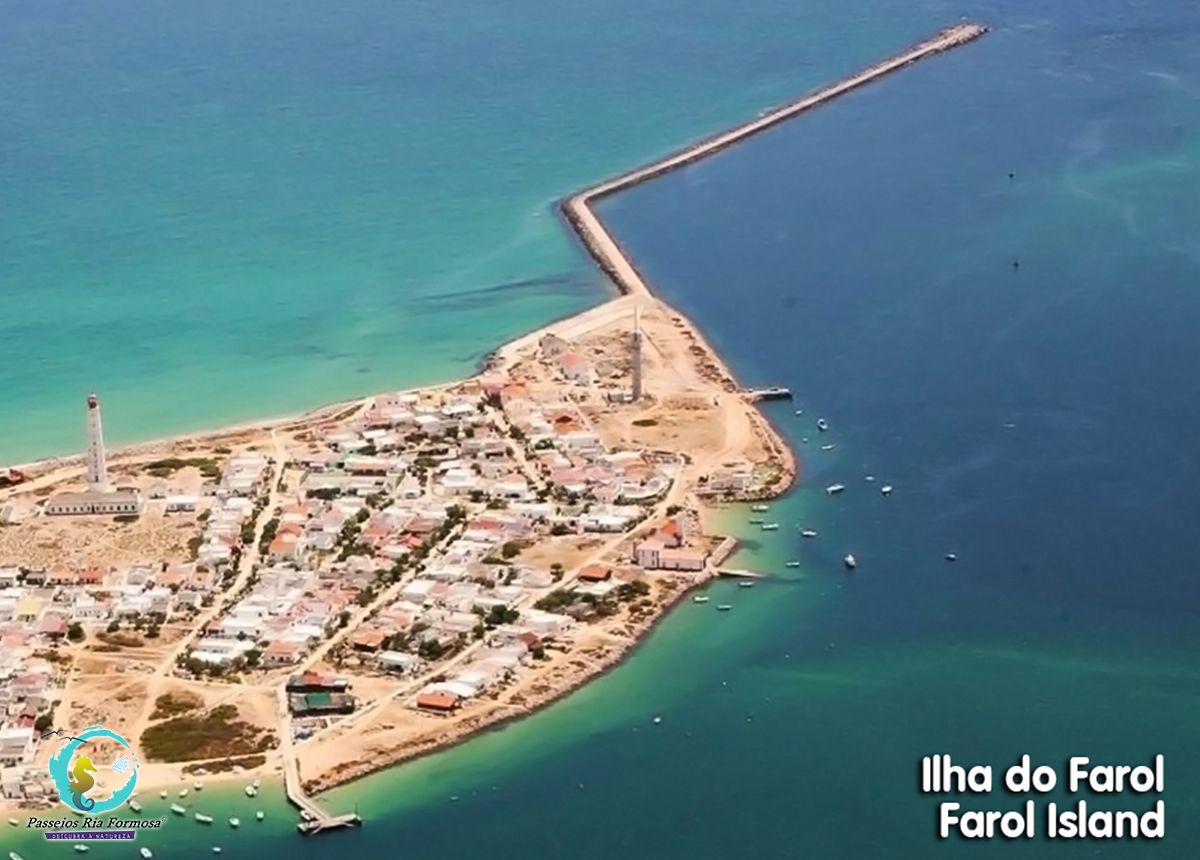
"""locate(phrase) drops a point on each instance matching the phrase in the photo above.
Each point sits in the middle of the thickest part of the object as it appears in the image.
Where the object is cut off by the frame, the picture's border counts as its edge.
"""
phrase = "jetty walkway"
(605, 250)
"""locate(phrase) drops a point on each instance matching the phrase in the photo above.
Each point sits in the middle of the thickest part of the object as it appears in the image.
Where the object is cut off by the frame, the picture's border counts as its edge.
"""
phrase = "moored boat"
(760, 508)
(792, 564)
(723, 607)
(828, 447)
(746, 583)
(81, 849)
(769, 527)
(850, 561)
(13, 855)
(700, 598)
(251, 791)
(834, 489)
(808, 533)
(146, 852)
(260, 815)
(177, 809)
(204, 819)
(235, 822)
(886, 489)
(822, 424)
(135, 806)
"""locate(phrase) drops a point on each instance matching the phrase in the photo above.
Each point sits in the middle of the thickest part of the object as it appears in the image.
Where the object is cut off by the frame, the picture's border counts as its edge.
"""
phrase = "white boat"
(746, 583)
(799, 411)
(792, 564)
(177, 809)
(833, 489)
(163, 794)
(183, 792)
(756, 521)
(758, 509)
(81, 849)
(257, 784)
(828, 447)
(14, 822)
(13, 855)
(808, 533)
(203, 819)
(260, 815)
(850, 561)
(886, 489)
(700, 598)
(198, 786)
(822, 424)
(869, 478)
(216, 849)
(146, 852)
(723, 607)
(769, 527)
(251, 791)
(951, 557)
(135, 806)
(235, 822)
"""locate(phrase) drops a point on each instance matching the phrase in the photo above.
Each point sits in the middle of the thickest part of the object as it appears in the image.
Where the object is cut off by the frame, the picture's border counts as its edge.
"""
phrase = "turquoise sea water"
(1038, 421)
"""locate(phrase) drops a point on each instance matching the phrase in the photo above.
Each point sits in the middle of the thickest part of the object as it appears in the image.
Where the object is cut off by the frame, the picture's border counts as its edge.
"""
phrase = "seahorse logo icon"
(75, 773)
(80, 777)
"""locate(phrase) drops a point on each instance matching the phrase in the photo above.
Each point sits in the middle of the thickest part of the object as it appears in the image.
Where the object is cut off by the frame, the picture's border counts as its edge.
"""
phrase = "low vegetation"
(174, 704)
(216, 734)
(170, 465)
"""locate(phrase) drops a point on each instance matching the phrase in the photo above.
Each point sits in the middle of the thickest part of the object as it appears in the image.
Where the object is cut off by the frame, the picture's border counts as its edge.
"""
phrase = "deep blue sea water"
(1039, 421)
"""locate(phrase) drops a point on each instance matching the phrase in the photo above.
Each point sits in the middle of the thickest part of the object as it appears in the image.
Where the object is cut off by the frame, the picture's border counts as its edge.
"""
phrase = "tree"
(252, 657)
(510, 550)
(113, 626)
(75, 632)
(560, 529)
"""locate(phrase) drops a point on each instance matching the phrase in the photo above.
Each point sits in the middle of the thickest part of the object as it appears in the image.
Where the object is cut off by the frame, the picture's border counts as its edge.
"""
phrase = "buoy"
(657, 720)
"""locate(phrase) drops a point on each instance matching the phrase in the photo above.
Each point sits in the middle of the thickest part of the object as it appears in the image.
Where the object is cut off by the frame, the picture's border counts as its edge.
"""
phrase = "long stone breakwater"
(605, 250)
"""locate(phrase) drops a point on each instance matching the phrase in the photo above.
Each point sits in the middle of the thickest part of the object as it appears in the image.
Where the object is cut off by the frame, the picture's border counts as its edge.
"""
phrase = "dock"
(774, 392)
(739, 573)
(315, 819)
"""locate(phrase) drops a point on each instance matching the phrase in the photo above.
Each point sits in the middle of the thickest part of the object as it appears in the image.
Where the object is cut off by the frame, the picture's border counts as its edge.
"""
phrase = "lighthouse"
(635, 393)
(97, 465)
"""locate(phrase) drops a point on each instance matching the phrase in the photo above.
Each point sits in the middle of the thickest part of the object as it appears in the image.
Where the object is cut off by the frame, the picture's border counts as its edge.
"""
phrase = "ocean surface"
(216, 213)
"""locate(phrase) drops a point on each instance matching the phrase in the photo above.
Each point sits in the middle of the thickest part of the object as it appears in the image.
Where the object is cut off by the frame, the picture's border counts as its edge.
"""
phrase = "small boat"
(808, 533)
(799, 411)
(850, 561)
(235, 822)
(204, 819)
(792, 564)
(822, 424)
(14, 822)
(146, 852)
(163, 794)
(183, 792)
(769, 527)
(746, 583)
(756, 521)
(760, 508)
(251, 791)
(306, 815)
(197, 786)
(886, 489)
(135, 806)
(657, 720)
(723, 607)
(951, 557)
(81, 849)
(834, 489)
(216, 849)
(257, 784)
(828, 447)
(700, 598)
(13, 855)
(177, 809)
(260, 815)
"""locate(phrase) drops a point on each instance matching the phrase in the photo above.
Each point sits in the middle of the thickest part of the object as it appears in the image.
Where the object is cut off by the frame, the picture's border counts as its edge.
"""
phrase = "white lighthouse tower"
(97, 465)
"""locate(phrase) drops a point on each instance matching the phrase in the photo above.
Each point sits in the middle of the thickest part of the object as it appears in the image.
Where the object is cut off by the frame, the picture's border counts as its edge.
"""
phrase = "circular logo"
(74, 772)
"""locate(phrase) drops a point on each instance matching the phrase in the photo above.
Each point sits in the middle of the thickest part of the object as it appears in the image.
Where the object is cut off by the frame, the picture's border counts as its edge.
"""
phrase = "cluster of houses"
(28, 688)
(242, 482)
